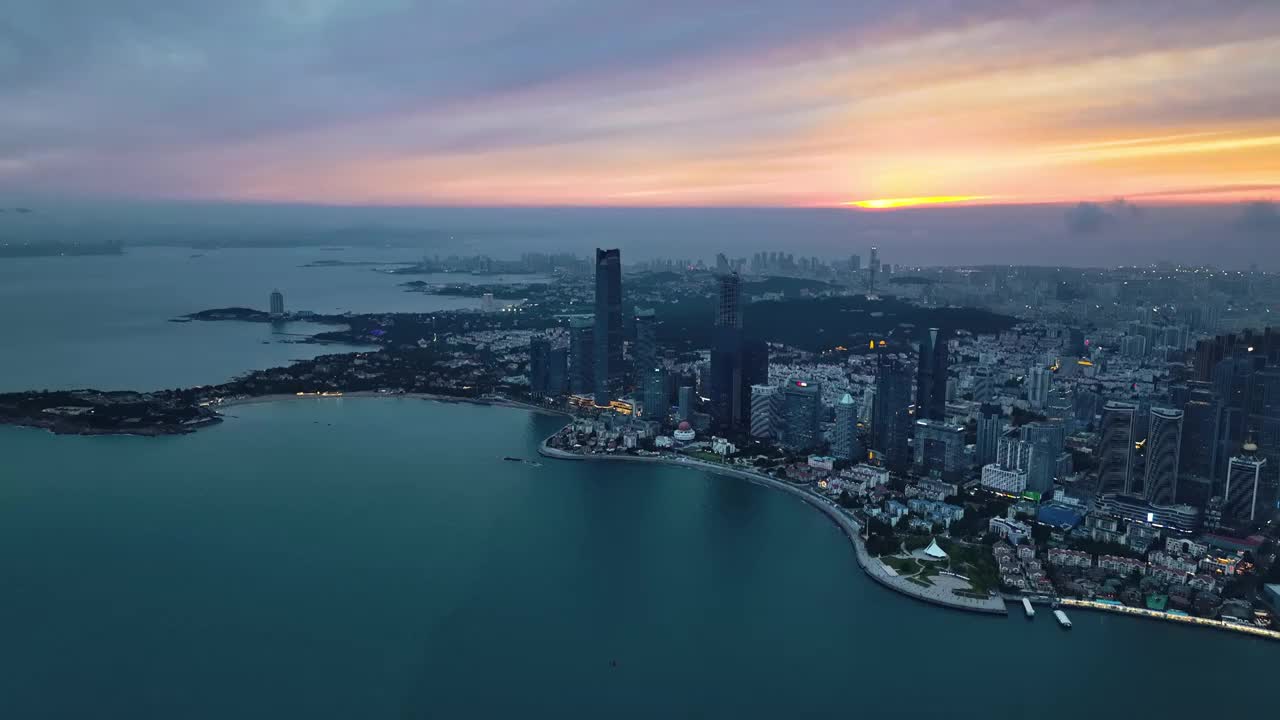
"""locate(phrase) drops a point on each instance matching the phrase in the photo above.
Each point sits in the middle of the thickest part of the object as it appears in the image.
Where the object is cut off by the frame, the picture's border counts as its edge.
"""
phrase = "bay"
(377, 558)
(102, 321)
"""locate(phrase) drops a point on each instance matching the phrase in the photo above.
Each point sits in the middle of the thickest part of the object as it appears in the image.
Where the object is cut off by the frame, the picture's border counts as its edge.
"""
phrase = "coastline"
(494, 402)
(873, 568)
(1157, 615)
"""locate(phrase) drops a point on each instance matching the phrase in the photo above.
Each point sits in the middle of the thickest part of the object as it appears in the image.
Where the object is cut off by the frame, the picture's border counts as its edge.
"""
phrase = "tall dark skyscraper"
(730, 398)
(609, 370)
(931, 377)
(991, 425)
(582, 352)
(644, 354)
(802, 402)
(1244, 482)
(1164, 446)
(891, 413)
(539, 365)
(1115, 448)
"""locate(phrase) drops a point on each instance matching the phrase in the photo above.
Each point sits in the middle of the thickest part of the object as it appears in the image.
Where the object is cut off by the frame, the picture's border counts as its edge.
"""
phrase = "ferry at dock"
(1026, 607)
(1062, 619)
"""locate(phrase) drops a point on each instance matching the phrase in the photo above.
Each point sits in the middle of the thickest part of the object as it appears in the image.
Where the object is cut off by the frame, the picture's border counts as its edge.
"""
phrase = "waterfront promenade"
(940, 593)
(1158, 615)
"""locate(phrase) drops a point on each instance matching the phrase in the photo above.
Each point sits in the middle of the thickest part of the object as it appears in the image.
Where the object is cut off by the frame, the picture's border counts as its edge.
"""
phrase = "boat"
(1026, 607)
(522, 460)
(1062, 619)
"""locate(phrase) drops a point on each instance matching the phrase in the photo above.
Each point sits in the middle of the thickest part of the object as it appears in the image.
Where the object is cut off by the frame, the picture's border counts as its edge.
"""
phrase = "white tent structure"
(934, 551)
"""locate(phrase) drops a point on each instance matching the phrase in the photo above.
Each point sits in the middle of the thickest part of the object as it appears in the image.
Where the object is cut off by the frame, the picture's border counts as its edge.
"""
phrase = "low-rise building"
(1122, 565)
(1070, 558)
(1012, 530)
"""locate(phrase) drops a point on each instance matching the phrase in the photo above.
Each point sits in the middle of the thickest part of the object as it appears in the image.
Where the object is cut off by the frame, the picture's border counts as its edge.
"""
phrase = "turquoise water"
(376, 558)
(101, 321)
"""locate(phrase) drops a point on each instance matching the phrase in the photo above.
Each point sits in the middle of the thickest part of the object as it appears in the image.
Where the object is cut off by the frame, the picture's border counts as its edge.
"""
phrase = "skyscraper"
(539, 365)
(1115, 448)
(803, 403)
(276, 305)
(873, 267)
(644, 354)
(557, 372)
(582, 367)
(764, 425)
(939, 449)
(991, 425)
(931, 377)
(686, 401)
(1046, 440)
(983, 384)
(844, 437)
(608, 327)
(891, 413)
(1164, 447)
(1038, 382)
(730, 392)
(1244, 481)
(657, 400)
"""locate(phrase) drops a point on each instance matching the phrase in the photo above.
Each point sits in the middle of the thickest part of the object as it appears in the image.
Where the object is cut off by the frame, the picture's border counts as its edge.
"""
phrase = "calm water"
(102, 321)
(375, 558)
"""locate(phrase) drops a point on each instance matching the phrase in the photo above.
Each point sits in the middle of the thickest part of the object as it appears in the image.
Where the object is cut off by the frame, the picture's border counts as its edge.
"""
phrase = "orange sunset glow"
(870, 107)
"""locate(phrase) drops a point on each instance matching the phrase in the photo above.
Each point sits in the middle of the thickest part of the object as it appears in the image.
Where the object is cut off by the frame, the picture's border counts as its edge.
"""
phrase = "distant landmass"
(47, 249)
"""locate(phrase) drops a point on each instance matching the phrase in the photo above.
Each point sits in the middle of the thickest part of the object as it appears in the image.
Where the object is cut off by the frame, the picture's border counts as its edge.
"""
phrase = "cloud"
(1091, 217)
(582, 102)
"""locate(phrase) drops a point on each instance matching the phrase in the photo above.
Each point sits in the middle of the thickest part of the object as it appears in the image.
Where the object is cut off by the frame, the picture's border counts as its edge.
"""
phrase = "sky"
(643, 102)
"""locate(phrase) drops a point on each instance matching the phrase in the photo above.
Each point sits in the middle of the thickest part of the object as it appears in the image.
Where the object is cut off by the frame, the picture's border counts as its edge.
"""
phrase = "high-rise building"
(727, 382)
(276, 305)
(991, 425)
(931, 377)
(644, 354)
(939, 449)
(1133, 346)
(983, 384)
(1164, 447)
(582, 367)
(608, 327)
(686, 402)
(1115, 448)
(1038, 384)
(539, 365)
(1075, 343)
(557, 371)
(1046, 440)
(657, 400)
(803, 403)
(891, 413)
(1196, 449)
(764, 423)
(873, 267)
(855, 263)
(844, 436)
(1244, 482)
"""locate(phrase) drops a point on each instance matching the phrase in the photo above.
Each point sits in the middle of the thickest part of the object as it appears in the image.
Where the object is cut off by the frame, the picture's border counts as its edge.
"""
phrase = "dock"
(1062, 619)
(1026, 607)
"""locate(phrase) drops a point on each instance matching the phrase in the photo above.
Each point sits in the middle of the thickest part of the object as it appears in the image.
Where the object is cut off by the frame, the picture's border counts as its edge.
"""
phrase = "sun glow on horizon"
(893, 203)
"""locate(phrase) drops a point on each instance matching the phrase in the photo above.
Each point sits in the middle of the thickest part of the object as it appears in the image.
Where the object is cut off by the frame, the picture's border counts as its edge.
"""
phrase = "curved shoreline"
(850, 527)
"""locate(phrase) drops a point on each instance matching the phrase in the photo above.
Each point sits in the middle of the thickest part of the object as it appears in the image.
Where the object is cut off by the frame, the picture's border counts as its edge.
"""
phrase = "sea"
(379, 558)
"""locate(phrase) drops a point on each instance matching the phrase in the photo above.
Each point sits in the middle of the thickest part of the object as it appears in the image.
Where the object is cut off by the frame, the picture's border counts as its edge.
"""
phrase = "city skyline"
(871, 106)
